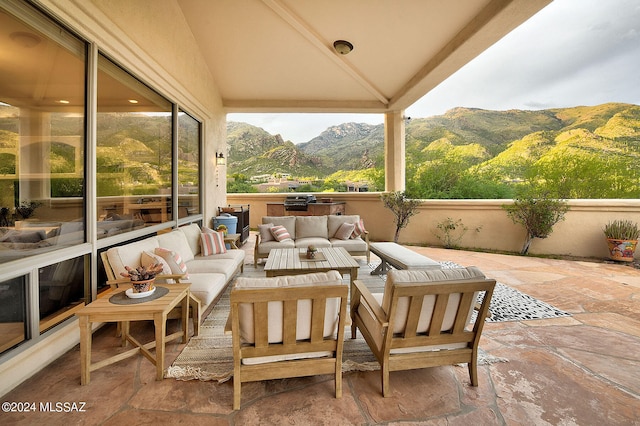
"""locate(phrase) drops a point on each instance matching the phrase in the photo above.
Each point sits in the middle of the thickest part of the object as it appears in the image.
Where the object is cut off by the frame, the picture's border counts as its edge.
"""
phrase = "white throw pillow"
(265, 232)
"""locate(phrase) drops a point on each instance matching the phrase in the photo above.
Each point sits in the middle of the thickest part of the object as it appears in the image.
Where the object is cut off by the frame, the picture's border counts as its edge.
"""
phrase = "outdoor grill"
(298, 202)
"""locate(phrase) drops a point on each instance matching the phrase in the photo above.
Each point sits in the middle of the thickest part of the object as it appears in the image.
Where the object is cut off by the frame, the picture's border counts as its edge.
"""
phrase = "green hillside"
(580, 152)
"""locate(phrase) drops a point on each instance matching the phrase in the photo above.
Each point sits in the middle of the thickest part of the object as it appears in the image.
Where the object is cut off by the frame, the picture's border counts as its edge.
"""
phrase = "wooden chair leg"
(473, 371)
(237, 384)
(384, 371)
(339, 381)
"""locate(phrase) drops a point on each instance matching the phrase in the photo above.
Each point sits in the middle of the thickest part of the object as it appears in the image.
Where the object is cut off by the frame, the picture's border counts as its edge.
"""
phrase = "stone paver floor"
(578, 370)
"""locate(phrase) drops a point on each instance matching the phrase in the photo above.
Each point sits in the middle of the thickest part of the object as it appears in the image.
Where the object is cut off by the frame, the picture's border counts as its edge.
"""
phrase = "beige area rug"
(209, 356)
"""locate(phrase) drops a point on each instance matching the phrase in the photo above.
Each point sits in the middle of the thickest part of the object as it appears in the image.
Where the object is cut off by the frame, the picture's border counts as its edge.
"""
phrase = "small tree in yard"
(537, 215)
(402, 207)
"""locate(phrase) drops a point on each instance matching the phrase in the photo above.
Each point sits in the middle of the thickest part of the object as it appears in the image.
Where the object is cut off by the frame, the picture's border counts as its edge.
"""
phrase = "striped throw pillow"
(345, 231)
(149, 259)
(174, 260)
(280, 233)
(212, 243)
(359, 229)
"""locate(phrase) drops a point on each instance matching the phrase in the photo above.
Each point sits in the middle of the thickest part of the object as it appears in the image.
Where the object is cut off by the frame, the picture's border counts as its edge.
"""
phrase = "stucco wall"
(580, 234)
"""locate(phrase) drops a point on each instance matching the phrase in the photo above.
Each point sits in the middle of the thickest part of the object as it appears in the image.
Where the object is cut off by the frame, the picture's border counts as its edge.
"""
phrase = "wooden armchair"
(290, 326)
(422, 319)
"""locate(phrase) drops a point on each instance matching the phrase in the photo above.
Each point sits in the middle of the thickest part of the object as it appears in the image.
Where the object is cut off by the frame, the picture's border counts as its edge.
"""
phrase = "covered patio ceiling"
(278, 55)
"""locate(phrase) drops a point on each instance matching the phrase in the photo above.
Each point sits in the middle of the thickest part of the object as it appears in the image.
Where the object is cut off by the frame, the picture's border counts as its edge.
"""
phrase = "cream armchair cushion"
(275, 309)
(428, 277)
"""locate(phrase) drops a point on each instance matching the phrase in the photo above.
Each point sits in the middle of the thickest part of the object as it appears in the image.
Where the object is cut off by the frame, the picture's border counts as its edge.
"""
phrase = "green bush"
(537, 215)
(402, 208)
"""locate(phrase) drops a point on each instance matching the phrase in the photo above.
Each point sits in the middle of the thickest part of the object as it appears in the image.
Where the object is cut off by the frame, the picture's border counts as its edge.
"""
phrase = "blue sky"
(573, 52)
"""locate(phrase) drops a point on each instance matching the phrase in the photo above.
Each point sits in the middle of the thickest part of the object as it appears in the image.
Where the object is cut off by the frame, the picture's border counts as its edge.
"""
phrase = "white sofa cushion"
(311, 227)
(212, 264)
(265, 248)
(237, 255)
(177, 241)
(207, 286)
(351, 245)
(312, 241)
(129, 255)
(192, 234)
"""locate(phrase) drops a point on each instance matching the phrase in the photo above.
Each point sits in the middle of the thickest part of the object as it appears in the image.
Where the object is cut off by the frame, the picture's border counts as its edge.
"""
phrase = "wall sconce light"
(220, 160)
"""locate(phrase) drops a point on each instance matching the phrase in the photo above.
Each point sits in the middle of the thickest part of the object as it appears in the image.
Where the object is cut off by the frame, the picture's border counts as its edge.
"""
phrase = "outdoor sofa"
(345, 231)
(209, 274)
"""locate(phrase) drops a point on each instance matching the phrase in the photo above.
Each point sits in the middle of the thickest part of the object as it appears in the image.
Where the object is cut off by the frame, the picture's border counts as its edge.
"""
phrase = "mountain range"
(495, 142)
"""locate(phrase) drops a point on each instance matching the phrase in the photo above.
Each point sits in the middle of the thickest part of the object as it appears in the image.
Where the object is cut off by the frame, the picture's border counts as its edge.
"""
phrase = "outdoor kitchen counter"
(313, 209)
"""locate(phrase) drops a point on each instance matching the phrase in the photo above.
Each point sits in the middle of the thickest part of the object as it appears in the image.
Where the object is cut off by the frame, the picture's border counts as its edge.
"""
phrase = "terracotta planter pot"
(142, 286)
(622, 250)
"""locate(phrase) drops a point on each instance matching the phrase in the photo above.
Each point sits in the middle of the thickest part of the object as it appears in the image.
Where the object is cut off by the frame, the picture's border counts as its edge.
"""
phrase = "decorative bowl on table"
(133, 295)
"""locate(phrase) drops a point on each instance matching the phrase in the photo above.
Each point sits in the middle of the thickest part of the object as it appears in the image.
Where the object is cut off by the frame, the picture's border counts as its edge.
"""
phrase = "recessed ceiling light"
(133, 101)
(342, 46)
(25, 39)
(63, 101)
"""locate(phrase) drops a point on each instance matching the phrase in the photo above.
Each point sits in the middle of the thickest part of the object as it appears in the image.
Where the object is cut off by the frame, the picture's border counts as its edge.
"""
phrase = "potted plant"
(311, 252)
(142, 277)
(622, 239)
(26, 209)
(223, 229)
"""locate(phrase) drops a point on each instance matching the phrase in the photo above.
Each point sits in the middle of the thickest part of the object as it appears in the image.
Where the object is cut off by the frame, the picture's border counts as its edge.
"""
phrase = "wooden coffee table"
(103, 310)
(291, 262)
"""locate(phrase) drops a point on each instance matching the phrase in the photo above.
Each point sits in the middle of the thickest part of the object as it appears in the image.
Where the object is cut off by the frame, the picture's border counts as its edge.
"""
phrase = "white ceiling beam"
(324, 46)
(278, 105)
